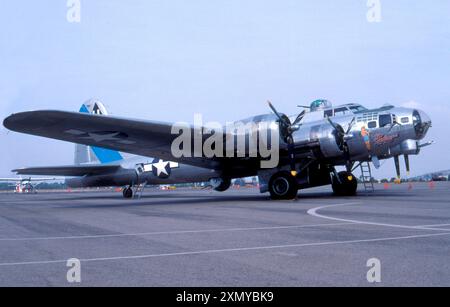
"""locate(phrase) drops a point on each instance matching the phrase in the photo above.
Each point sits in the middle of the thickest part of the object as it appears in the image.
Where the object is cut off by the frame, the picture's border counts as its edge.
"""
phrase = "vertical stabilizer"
(88, 154)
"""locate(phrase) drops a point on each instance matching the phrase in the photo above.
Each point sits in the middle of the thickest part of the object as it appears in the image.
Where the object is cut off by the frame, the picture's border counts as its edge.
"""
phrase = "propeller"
(283, 120)
(343, 134)
(426, 144)
(287, 129)
(394, 123)
(407, 164)
(397, 167)
(376, 162)
(286, 123)
(342, 137)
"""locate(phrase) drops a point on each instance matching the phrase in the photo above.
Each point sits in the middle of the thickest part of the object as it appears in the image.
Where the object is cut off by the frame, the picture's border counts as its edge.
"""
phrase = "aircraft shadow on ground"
(212, 199)
(190, 197)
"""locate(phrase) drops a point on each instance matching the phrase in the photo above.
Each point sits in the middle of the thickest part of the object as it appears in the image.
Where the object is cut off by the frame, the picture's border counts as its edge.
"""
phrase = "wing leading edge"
(144, 138)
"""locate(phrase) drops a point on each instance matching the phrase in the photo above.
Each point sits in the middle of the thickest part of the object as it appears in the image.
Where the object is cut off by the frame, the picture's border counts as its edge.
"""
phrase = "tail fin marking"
(83, 153)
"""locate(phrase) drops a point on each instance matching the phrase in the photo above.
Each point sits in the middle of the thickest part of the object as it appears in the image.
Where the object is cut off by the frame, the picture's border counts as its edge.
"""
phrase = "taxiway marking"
(313, 212)
(435, 225)
(215, 251)
(173, 232)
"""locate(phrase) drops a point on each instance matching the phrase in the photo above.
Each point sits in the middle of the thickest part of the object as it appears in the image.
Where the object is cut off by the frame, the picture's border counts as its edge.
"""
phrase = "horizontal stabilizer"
(26, 179)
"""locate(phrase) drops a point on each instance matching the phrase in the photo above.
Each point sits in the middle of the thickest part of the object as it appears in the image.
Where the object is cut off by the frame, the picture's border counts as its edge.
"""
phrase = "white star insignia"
(161, 167)
(102, 137)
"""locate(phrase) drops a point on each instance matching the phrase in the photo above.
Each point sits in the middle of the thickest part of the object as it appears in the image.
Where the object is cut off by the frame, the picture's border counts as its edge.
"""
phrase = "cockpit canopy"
(327, 107)
(322, 108)
(350, 108)
(320, 104)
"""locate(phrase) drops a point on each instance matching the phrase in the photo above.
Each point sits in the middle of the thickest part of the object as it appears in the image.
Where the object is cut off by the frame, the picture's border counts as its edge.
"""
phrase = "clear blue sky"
(165, 60)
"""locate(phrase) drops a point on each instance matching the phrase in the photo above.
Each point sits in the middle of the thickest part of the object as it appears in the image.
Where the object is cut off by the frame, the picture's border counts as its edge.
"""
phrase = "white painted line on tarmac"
(435, 225)
(216, 251)
(173, 232)
(313, 212)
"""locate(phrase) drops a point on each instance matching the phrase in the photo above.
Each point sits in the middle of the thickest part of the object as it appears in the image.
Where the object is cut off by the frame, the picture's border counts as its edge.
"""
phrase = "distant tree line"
(10, 186)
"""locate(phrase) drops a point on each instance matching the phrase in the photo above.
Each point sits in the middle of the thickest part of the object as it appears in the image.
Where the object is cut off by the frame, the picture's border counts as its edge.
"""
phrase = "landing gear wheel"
(224, 185)
(128, 193)
(346, 185)
(283, 186)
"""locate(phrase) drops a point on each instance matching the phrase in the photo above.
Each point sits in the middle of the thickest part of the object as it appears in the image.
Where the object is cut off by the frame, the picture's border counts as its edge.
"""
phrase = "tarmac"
(236, 238)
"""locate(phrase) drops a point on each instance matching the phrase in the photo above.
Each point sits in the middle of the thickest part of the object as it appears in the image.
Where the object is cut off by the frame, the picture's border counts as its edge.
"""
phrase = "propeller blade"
(426, 144)
(299, 118)
(276, 113)
(376, 162)
(289, 128)
(342, 135)
(397, 166)
(350, 125)
(349, 165)
(331, 122)
(407, 164)
(393, 125)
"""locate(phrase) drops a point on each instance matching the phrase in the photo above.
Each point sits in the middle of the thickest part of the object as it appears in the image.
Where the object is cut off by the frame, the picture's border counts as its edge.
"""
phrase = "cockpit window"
(341, 111)
(405, 120)
(385, 120)
(358, 108)
(328, 113)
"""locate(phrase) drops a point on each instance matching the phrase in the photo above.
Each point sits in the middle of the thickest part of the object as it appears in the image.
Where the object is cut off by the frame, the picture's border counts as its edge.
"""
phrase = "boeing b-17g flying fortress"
(292, 153)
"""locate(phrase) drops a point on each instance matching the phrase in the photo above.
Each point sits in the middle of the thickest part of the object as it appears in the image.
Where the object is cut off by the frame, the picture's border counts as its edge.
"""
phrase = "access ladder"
(366, 177)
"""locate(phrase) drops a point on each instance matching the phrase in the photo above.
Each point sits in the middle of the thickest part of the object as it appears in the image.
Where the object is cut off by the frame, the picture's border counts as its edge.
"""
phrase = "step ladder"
(140, 189)
(366, 177)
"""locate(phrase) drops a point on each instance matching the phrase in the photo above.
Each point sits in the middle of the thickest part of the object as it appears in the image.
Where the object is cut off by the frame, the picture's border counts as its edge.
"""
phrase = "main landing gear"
(127, 192)
(283, 185)
(345, 184)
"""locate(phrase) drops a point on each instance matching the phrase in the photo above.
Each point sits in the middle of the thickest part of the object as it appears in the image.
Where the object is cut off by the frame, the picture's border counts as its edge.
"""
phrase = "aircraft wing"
(145, 138)
(69, 171)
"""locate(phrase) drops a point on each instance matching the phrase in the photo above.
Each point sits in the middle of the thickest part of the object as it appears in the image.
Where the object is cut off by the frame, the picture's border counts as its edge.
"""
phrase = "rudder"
(91, 154)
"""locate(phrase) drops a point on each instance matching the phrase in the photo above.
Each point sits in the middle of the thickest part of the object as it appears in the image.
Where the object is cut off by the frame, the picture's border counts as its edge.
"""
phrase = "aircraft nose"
(422, 122)
(425, 118)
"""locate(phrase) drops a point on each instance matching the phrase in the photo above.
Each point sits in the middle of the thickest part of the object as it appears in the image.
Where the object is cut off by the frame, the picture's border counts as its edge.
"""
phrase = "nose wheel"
(127, 193)
(283, 186)
(345, 184)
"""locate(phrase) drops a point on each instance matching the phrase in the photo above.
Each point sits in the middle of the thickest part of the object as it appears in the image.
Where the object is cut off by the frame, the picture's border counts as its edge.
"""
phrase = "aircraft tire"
(283, 185)
(128, 193)
(225, 185)
(347, 185)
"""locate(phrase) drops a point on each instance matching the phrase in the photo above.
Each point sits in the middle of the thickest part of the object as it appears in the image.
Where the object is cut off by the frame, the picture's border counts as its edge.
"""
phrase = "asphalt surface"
(236, 238)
